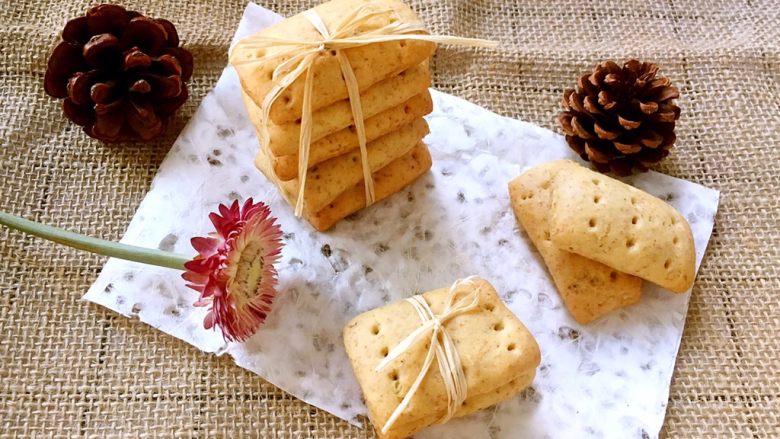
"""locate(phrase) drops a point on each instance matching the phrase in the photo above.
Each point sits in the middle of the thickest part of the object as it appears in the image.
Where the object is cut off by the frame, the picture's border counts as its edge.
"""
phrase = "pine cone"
(621, 118)
(122, 74)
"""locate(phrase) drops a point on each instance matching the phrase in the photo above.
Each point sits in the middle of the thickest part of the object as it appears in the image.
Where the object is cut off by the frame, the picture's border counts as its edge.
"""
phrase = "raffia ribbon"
(301, 56)
(462, 298)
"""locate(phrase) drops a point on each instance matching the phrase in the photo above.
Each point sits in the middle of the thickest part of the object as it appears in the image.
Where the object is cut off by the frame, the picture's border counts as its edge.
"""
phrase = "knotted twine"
(301, 56)
(441, 347)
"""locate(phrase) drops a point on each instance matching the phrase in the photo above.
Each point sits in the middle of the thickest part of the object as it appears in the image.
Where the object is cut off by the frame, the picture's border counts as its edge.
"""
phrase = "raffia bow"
(441, 347)
(301, 56)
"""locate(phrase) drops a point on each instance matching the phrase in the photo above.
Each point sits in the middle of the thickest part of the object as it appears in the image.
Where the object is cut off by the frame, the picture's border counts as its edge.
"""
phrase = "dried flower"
(234, 270)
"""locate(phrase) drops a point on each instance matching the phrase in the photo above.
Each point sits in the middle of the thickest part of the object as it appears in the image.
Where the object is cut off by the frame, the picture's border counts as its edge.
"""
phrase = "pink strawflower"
(234, 270)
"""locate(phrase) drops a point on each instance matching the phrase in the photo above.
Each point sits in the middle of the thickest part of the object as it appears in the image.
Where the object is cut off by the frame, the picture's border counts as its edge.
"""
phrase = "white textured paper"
(607, 379)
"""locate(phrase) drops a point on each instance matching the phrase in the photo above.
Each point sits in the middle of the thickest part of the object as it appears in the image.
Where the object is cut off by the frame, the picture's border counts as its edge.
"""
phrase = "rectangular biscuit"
(390, 93)
(387, 181)
(623, 227)
(330, 178)
(341, 142)
(498, 354)
(589, 289)
(472, 404)
(370, 63)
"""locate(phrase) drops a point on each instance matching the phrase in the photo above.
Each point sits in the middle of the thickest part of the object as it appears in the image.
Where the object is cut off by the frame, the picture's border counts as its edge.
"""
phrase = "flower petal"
(208, 321)
(198, 266)
(198, 288)
(195, 277)
(205, 246)
(221, 224)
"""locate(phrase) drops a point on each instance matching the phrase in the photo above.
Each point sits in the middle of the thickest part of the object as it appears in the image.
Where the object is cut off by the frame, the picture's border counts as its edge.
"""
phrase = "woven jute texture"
(70, 368)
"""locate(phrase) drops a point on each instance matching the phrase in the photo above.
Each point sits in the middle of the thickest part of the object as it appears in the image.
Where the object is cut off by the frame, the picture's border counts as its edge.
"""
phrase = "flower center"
(249, 273)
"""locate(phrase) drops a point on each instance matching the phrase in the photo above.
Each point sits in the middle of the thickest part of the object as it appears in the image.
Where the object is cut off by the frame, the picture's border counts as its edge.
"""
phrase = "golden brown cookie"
(498, 354)
(392, 92)
(589, 289)
(391, 179)
(329, 179)
(345, 140)
(623, 227)
(370, 63)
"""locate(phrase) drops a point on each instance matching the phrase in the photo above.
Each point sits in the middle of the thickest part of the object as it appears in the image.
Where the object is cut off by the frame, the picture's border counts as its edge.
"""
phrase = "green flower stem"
(94, 245)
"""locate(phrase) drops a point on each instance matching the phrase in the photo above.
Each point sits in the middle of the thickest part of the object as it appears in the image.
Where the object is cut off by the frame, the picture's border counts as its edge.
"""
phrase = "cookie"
(589, 289)
(371, 63)
(390, 93)
(472, 404)
(387, 181)
(623, 227)
(498, 354)
(330, 178)
(345, 140)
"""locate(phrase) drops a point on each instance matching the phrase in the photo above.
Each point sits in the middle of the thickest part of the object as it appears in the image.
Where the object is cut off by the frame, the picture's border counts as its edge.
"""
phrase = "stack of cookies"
(393, 79)
(600, 238)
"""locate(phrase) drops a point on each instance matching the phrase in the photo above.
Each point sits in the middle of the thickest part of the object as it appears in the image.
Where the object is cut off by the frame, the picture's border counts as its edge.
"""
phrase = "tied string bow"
(462, 298)
(300, 57)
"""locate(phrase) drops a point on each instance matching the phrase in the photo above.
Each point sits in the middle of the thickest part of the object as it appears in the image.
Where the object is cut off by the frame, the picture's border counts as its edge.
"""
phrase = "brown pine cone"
(122, 74)
(621, 119)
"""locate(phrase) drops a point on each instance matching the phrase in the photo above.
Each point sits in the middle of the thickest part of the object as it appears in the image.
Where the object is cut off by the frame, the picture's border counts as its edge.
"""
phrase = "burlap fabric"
(69, 368)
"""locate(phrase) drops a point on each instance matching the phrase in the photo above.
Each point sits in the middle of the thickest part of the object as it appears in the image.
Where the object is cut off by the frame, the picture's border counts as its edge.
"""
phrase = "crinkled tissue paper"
(607, 379)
